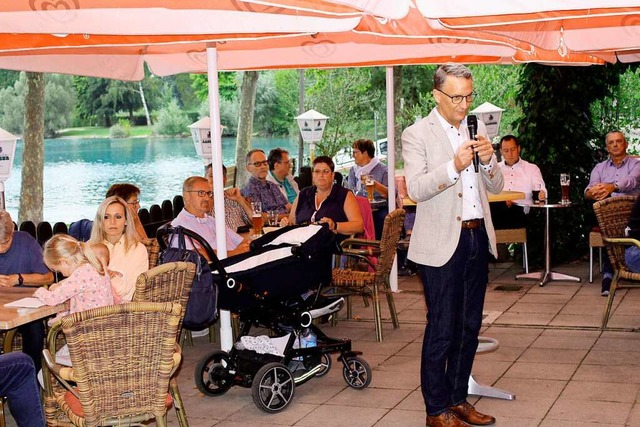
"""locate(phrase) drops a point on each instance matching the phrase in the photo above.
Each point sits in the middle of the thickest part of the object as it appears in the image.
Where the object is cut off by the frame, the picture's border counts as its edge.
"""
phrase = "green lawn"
(101, 132)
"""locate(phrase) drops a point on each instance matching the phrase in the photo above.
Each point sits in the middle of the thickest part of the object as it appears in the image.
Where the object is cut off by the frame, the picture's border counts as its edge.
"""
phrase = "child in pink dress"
(87, 284)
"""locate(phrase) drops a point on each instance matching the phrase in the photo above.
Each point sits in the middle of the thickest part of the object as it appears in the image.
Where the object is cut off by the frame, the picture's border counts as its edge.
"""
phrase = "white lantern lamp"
(7, 154)
(490, 115)
(312, 124)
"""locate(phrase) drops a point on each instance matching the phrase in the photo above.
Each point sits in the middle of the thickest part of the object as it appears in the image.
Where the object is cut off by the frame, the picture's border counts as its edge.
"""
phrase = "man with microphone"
(453, 235)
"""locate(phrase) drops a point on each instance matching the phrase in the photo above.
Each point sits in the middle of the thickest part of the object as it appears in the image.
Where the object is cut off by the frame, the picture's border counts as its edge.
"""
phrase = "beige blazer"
(427, 151)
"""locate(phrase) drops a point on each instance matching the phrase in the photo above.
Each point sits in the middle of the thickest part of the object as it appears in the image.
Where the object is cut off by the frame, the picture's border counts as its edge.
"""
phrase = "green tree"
(227, 85)
(172, 120)
(276, 102)
(558, 134)
(59, 102)
(346, 96)
(31, 194)
(245, 123)
(8, 78)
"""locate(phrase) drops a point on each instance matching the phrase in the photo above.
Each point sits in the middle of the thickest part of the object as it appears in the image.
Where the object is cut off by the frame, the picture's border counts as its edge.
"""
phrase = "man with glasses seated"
(259, 189)
(280, 173)
(198, 201)
(130, 194)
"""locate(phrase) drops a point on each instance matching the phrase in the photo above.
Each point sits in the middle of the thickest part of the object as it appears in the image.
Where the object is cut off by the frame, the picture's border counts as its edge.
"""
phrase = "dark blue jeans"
(33, 341)
(18, 384)
(454, 294)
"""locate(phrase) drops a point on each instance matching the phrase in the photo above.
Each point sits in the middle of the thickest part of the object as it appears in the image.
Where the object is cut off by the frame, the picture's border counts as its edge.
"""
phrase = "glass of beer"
(369, 183)
(256, 219)
(565, 181)
(535, 192)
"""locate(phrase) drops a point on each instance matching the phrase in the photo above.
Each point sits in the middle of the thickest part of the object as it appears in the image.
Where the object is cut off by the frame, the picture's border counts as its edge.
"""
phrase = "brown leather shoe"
(465, 411)
(445, 419)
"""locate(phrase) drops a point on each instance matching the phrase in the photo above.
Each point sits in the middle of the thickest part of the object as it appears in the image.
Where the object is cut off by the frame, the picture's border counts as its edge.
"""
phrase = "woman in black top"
(325, 202)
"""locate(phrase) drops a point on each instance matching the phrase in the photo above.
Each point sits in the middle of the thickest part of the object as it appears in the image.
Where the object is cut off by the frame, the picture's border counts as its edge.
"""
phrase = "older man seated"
(237, 210)
(259, 189)
(21, 264)
(198, 201)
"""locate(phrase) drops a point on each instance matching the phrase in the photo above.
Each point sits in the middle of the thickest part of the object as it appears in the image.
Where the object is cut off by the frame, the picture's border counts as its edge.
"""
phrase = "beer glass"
(369, 183)
(565, 181)
(256, 219)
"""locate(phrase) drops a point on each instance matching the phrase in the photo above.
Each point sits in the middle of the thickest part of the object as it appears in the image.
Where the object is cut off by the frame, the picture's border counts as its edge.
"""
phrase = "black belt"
(473, 223)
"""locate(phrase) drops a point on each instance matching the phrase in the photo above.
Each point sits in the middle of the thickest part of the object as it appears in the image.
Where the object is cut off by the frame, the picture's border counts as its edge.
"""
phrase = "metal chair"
(347, 281)
(515, 235)
(123, 357)
(613, 216)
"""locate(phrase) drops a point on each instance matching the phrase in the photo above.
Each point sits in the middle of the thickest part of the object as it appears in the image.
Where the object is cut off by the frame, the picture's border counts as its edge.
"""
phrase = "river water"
(78, 171)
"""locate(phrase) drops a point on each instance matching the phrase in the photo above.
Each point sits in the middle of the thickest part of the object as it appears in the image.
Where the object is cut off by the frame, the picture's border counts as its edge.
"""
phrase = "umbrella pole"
(226, 335)
(391, 165)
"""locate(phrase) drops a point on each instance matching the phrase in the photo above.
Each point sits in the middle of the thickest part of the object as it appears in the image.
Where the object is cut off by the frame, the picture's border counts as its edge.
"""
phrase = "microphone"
(472, 125)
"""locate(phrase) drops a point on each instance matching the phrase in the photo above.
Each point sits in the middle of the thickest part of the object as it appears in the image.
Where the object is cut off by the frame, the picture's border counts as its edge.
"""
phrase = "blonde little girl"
(87, 284)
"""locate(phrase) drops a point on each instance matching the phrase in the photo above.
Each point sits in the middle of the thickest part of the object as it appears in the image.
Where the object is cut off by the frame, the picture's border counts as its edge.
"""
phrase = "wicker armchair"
(170, 282)
(347, 281)
(613, 216)
(153, 251)
(123, 357)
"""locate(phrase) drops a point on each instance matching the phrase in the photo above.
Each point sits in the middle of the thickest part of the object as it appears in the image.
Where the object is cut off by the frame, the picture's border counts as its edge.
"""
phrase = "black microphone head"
(472, 125)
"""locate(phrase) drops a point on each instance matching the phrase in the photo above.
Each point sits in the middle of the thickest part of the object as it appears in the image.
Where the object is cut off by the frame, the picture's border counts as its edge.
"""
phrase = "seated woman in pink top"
(114, 227)
(87, 284)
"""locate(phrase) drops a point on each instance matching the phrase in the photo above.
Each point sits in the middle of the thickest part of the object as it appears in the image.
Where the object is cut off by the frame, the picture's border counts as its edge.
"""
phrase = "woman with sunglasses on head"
(130, 194)
(114, 227)
(325, 202)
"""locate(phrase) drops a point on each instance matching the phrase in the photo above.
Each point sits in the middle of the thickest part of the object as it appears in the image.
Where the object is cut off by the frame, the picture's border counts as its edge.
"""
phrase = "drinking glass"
(369, 183)
(535, 192)
(565, 181)
(256, 219)
(273, 218)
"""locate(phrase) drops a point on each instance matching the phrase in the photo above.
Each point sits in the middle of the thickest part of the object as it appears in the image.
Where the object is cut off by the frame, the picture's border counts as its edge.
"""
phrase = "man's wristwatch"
(20, 279)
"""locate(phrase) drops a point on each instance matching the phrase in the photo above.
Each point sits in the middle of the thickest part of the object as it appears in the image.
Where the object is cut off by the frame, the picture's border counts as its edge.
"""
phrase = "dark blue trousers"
(454, 294)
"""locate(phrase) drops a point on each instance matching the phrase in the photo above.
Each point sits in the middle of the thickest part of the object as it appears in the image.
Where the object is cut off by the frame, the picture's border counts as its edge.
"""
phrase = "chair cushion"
(76, 407)
(348, 277)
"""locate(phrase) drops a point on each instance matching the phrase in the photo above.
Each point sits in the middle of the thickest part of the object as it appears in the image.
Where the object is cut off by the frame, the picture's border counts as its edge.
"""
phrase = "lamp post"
(311, 124)
(7, 153)
(490, 116)
(201, 134)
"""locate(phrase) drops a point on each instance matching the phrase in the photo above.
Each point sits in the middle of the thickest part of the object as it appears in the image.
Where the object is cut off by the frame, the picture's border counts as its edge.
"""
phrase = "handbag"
(202, 307)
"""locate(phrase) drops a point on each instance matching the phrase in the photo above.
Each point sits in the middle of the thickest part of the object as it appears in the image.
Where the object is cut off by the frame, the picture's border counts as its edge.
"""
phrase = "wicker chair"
(347, 281)
(123, 357)
(153, 251)
(170, 282)
(595, 241)
(613, 216)
(515, 235)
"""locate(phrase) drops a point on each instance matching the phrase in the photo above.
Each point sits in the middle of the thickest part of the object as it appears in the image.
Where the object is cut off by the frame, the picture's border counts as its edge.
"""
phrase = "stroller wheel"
(273, 387)
(356, 372)
(325, 362)
(212, 374)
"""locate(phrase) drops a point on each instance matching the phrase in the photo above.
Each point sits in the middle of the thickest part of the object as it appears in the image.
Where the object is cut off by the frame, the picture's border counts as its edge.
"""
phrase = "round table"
(547, 275)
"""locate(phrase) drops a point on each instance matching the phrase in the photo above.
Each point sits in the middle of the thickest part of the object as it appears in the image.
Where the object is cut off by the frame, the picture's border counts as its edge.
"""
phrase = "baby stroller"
(276, 286)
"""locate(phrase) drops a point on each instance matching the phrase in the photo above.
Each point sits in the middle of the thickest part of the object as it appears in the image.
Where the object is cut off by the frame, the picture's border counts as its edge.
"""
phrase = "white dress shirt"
(471, 205)
(521, 177)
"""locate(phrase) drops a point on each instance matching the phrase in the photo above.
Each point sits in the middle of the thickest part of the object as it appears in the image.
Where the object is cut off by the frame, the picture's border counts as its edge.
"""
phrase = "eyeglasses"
(134, 203)
(322, 171)
(354, 152)
(201, 193)
(457, 99)
(260, 163)
(285, 162)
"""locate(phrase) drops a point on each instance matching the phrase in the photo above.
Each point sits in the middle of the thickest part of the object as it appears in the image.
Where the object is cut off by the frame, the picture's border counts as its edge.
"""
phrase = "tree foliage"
(347, 96)
(558, 133)
(171, 120)
(59, 101)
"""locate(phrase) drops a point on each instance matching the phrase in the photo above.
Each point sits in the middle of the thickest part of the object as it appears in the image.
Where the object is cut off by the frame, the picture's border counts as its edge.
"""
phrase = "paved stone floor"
(552, 355)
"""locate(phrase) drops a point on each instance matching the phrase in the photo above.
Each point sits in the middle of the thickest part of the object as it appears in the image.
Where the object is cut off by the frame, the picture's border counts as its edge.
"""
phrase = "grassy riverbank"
(101, 132)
